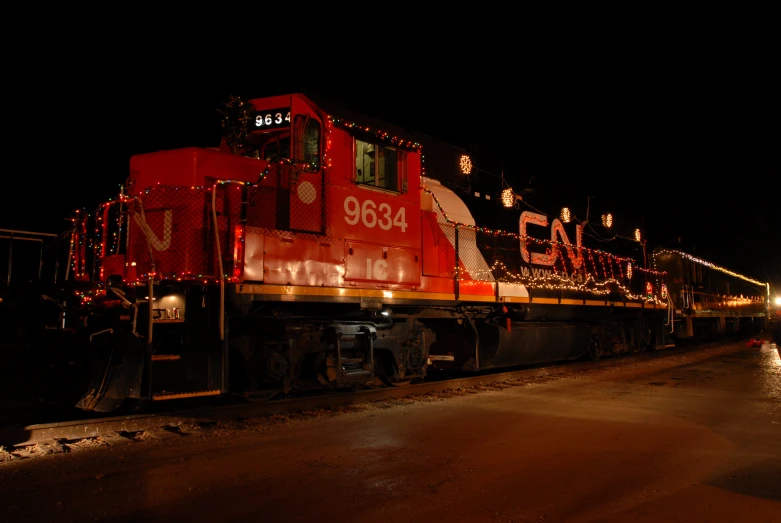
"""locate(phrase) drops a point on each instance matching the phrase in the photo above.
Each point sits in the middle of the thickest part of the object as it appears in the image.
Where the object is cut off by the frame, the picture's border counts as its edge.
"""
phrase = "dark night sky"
(689, 148)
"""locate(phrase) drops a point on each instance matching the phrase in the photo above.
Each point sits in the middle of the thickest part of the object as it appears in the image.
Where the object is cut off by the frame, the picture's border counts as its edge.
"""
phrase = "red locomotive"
(318, 248)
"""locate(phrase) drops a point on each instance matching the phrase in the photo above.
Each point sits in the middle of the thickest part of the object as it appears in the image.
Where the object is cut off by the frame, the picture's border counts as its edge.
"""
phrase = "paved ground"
(694, 438)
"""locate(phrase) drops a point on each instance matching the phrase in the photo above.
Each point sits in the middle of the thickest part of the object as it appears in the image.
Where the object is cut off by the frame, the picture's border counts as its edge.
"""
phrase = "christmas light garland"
(585, 280)
(558, 281)
(531, 239)
(329, 125)
(466, 167)
(195, 277)
(80, 243)
(707, 264)
(378, 134)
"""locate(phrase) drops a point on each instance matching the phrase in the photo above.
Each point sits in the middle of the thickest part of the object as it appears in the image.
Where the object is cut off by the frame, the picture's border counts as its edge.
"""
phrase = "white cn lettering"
(557, 229)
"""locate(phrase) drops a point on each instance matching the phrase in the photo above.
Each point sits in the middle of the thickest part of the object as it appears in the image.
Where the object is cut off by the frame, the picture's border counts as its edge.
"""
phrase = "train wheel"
(263, 395)
(394, 383)
(594, 349)
(385, 369)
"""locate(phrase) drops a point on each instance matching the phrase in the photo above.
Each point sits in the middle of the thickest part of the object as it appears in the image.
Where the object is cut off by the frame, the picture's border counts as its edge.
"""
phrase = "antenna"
(588, 207)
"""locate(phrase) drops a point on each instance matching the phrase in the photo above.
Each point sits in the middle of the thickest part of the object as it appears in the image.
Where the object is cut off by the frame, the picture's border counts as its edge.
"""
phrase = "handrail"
(31, 233)
(219, 260)
(218, 247)
(21, 239)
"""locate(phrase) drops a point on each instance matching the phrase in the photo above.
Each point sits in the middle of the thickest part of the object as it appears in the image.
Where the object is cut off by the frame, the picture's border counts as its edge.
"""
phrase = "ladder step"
(357, 375)
(179, 395)
(166, 357)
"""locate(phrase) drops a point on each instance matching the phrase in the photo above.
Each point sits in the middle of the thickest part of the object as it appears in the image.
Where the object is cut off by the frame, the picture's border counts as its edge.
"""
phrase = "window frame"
(401, 168)
(295, 145)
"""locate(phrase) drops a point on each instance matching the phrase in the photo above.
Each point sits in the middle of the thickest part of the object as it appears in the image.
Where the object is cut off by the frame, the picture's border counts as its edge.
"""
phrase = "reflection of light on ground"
(376, 441)
(770, 356)
(387, 484)
(769, 369)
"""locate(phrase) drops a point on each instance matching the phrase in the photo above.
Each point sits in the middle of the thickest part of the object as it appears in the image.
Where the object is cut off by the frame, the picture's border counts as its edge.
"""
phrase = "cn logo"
(557, 229)
(156, 243)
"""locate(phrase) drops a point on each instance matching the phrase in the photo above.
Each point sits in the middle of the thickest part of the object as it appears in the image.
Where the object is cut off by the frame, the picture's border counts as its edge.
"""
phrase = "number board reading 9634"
(371, 215)
(271, 119)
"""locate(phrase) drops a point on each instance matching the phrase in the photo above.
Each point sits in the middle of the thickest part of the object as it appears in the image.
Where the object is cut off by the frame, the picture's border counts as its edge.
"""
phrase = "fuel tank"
(527, 343)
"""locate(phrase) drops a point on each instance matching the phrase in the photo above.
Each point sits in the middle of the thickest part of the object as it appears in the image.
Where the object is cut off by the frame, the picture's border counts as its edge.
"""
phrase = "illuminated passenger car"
(318, 248)
(707, 300)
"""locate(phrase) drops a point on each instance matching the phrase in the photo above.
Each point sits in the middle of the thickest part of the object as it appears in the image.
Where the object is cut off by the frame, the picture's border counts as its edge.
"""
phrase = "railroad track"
(111, 427)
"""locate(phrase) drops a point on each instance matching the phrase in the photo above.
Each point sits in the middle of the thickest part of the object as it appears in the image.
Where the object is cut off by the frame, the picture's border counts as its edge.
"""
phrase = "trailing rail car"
(318, 248)
(706, 300)
(29, 269)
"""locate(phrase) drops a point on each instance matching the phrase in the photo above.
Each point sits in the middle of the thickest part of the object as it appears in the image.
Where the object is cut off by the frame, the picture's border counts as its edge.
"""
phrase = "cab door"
(306, 174)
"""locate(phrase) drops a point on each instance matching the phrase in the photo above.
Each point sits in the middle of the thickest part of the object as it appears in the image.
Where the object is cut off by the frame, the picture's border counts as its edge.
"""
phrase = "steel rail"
(91, 428)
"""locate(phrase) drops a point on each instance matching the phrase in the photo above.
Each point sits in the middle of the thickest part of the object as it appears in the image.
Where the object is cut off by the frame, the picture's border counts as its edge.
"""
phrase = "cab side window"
(380, 166)
(307, 140)
(276, 149)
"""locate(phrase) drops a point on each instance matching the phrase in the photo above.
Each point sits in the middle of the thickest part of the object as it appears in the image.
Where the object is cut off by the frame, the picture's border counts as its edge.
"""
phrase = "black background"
(686, 139)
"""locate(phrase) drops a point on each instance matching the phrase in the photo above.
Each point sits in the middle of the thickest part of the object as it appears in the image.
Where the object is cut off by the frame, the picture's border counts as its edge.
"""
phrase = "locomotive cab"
(251, 212)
